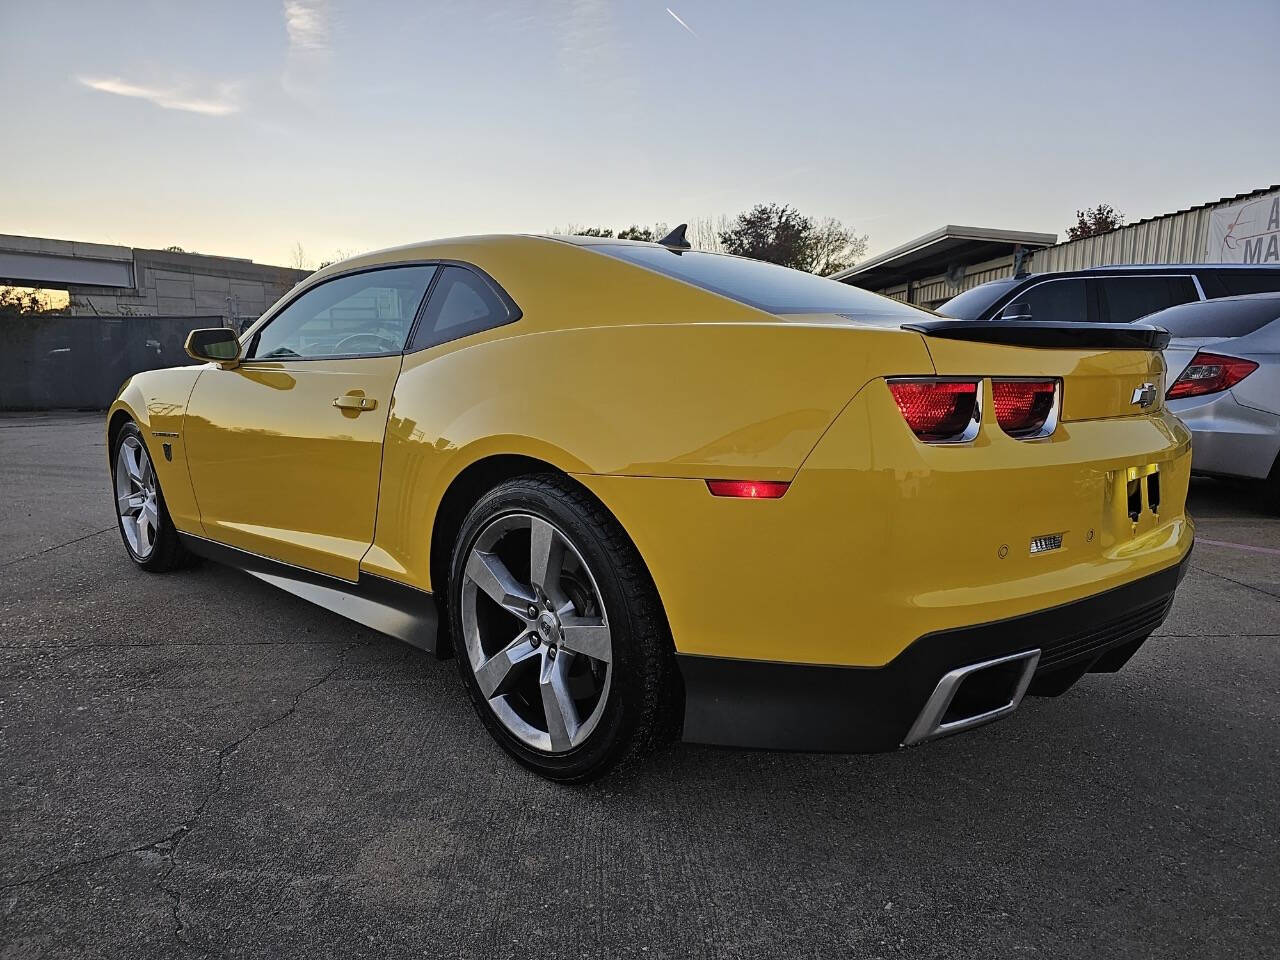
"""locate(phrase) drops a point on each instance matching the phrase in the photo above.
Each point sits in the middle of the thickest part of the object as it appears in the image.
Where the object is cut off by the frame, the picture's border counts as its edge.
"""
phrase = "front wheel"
(562, 642)
(145, 527)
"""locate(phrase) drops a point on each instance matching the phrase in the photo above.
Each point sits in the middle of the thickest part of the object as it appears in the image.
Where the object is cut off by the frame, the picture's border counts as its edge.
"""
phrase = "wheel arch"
(464, 491)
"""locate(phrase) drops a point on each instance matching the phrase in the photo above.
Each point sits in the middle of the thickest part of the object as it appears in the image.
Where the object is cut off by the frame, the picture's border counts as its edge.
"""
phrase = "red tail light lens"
(748, 489)
(938, 411)
(1026, 408)
(1209, 373)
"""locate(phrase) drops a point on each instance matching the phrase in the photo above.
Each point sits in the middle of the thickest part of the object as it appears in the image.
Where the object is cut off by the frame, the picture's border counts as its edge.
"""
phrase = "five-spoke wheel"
(137, 496)
(535, 632)
(148, 534)
(558, 632)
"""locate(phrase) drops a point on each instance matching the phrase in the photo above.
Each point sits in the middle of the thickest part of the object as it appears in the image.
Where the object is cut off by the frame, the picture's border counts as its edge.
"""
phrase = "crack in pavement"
(169, 845)
(58, 546)
(1248, 586)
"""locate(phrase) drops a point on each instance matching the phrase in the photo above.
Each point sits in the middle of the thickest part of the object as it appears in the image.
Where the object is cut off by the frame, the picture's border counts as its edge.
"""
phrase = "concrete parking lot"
(198, 763)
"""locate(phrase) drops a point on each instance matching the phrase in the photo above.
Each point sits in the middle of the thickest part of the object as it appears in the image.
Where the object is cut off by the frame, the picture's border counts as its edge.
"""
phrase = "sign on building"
(1247, 232)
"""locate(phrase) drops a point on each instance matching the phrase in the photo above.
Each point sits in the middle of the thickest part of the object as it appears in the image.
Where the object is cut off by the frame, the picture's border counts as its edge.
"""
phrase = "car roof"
(1149, 268)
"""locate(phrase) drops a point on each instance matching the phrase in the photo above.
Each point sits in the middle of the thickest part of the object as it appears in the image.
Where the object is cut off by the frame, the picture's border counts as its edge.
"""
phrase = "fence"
(55, 362)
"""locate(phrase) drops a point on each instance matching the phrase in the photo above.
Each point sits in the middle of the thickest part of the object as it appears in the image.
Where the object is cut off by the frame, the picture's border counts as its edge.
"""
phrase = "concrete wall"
(187, 284)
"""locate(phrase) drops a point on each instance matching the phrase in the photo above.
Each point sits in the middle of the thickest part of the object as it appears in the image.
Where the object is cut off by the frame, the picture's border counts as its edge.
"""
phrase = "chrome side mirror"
(1020, 310)
(219, 345)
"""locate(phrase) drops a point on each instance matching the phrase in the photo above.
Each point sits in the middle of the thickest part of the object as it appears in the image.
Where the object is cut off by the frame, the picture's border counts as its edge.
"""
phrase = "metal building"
(932, 269)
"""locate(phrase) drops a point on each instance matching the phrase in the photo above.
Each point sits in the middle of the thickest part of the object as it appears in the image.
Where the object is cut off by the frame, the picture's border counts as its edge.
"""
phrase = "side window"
(1237, 282)
(366, 314)
(461, 304)
(1054, 301)
(1125, 299)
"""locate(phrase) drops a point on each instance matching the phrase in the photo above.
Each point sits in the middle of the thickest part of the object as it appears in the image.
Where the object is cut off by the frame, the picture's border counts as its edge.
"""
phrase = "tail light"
(939, 411)
(1209, 373)
(1026, 409)
(748, 489)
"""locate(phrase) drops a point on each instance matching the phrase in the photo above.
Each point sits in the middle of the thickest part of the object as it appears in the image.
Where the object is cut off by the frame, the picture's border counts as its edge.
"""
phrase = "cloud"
(675, 16)
(307, 22)
(169, 99)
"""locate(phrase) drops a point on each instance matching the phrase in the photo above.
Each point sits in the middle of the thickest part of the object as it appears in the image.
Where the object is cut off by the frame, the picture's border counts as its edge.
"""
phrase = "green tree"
(780, 234)
(1095, 221)
(26, 302)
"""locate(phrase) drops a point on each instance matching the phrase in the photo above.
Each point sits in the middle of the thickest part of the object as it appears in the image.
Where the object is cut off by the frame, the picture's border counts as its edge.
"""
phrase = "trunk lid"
(1103, 367)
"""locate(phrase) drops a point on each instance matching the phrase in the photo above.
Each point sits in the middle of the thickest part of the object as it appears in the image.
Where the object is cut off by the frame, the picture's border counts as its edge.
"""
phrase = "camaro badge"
(1145, 395)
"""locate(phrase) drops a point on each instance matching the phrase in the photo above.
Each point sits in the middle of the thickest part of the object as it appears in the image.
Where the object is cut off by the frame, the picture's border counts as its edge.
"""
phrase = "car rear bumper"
(1229, 438)
(789, 706)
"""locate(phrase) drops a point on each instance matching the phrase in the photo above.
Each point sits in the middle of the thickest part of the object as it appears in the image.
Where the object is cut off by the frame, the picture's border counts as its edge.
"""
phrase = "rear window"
(1218, 318)
(972, 304)
(765, 286)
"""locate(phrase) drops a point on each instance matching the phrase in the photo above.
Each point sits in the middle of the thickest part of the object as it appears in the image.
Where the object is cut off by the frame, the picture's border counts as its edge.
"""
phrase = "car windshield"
(1218, 318)
(765, 286)
(972, 304)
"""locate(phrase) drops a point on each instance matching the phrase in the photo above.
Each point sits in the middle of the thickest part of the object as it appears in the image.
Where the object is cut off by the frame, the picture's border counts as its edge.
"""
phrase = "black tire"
(642, 706)
(167, 552)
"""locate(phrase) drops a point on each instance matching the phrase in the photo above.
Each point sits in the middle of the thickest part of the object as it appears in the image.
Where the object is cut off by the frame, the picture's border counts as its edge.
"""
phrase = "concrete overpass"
(108, 280)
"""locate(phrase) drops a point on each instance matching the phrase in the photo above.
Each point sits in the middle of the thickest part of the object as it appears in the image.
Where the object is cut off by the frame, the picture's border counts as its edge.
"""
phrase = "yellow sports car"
(648, 491)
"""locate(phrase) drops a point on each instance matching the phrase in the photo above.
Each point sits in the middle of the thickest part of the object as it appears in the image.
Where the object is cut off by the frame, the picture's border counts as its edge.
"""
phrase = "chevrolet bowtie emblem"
(1145, 395)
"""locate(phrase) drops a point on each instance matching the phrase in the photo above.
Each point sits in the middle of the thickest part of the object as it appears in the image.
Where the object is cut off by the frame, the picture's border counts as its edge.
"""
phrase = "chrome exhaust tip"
(968, 697)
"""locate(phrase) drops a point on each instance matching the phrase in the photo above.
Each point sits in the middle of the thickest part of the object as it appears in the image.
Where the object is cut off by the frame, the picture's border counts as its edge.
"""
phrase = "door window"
(362, 315)
(1054, 301)
(461, 304)
(1125, 299)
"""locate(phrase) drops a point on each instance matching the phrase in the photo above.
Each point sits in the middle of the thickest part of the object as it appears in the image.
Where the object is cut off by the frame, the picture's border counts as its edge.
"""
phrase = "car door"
(285, 449)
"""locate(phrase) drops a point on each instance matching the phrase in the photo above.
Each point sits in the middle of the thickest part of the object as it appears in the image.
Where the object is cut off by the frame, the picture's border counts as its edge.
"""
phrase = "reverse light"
(938, 411)
(1026, 409)
(748, 489)
(1209, 373)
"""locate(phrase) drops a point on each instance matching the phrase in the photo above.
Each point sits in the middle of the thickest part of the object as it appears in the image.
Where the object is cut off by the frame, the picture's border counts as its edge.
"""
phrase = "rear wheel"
(561, 640)
(145, 527)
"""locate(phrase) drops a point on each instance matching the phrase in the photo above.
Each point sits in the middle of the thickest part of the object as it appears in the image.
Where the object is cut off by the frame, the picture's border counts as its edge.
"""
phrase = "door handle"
(351, 402)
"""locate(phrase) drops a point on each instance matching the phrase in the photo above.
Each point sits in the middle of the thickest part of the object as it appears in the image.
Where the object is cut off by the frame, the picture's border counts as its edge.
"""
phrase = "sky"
(247, 128)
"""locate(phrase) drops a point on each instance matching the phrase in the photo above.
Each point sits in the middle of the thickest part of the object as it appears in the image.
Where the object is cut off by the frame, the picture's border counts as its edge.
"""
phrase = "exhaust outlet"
(968, 697)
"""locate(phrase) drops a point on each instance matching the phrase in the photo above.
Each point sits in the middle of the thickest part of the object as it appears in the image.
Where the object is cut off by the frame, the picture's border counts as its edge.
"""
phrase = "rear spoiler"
(1050, 336)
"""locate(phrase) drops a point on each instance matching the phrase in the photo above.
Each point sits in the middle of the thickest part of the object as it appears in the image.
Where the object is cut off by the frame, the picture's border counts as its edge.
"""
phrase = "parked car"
(1107, 294)
(646, 490)
(1223, 371)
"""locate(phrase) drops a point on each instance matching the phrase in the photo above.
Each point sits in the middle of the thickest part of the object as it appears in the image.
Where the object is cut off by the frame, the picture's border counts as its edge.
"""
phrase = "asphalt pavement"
(200, 764)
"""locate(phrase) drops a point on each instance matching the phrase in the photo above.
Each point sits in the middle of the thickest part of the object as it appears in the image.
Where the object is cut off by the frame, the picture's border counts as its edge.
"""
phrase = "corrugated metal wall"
(1175, 238)
(1180, 238)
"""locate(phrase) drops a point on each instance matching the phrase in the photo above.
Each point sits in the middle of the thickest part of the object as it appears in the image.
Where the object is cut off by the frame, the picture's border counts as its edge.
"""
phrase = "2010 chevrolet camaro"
(640, 491)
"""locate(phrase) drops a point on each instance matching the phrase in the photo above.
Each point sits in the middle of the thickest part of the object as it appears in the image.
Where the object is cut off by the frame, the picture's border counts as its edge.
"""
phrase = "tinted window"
(972, 304)
(462, 303)
(1054, 301)
(365, 314)
(765, 286)
(1236, 282)
(1219, 318)
(1125, 299)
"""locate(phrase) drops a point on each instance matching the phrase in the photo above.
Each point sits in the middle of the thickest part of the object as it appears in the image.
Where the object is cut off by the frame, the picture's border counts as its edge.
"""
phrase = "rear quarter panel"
(722, 400)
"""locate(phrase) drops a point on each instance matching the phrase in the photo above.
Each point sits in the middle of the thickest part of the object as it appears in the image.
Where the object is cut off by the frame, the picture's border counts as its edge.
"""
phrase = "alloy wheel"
(536, 634)
(137, 497)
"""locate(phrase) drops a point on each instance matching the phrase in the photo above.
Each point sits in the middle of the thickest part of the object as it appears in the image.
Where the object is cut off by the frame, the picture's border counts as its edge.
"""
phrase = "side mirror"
(217, 344)
(1016, 311)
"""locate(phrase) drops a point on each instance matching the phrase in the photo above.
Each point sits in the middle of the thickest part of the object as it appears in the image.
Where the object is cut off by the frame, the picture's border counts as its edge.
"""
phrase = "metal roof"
(1199, 206)
(938, 250)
